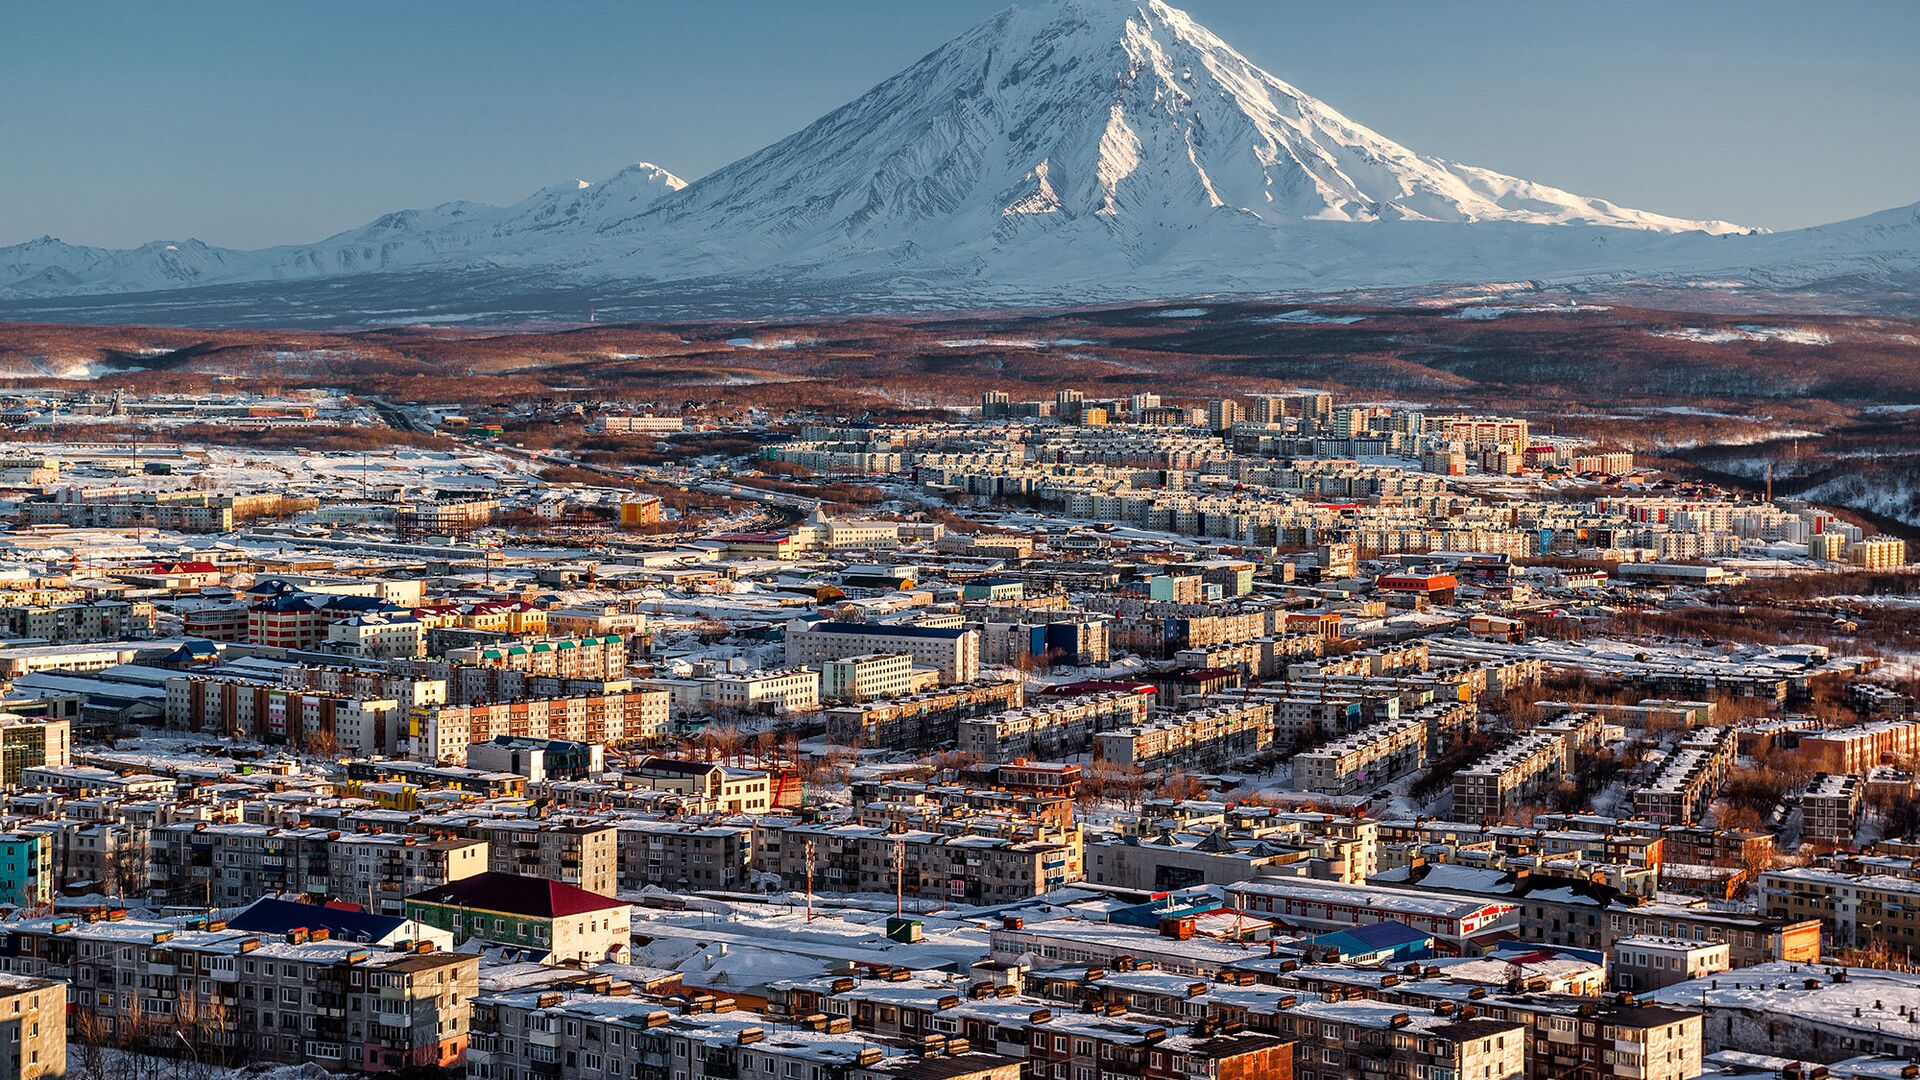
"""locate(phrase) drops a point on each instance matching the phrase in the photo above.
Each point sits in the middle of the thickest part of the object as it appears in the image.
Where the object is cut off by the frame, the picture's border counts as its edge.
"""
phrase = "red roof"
(1417, 582)
(535, 898)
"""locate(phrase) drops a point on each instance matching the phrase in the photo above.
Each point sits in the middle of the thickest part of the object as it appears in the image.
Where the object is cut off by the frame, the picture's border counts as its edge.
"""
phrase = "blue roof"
(1373, 937)
(887, 629)
(270, 916)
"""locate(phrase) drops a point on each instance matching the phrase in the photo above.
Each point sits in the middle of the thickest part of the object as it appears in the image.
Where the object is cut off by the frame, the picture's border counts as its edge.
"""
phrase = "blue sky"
(247, 124)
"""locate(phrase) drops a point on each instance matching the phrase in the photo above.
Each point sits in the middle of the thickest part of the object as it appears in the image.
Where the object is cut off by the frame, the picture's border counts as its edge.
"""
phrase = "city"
(978, 540)
(1272, 736)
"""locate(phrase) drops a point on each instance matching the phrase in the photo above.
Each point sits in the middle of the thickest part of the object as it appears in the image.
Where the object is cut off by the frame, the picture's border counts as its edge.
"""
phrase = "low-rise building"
(1454, 921)
(548, 919)
(1641, 964)
(707, 786)
(1804, 1012)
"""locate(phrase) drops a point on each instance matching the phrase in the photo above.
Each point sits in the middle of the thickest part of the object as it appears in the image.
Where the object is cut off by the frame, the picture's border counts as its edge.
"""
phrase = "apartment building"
(1052, 727)
(1687, 780)
(26, 869)
(1693, 845)
(81, 621)
(1372, 756)
(368, 683)
(636, 425)
(27, 743)
(1215, 735)
(954, 652)
(1856, 750)
(1220, 857)
(1076, 944)
(33, 1028)
(1830, 809)
(996, 866)
(790, 690)
(1878, 552)
(302, 999)
(1854, 909)
(294, 619)
(112, 855)
(82, 780)
(1518, 772)
(622, 714)
(582, 854)
(1262, 658)
(515, 618)
(682, 856)
(911, 802)
(194, 862)
(1574, 1037)
(312, 719)
(605, 1036)
(865, 678)
(380, 870)
(601, 657)
(1566, 1035)
(380, 635)
(448, 515)
(1336, 1040)
(1582, 913)
(919, 721)
(1514, 774)
(175, 511)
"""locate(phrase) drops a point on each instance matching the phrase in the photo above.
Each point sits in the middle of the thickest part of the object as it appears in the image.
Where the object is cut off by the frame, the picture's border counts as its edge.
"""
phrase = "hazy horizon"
(247, 126)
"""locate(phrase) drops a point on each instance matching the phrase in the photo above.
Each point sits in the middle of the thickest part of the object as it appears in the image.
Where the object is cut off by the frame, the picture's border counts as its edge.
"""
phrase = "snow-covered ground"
(1748, 333)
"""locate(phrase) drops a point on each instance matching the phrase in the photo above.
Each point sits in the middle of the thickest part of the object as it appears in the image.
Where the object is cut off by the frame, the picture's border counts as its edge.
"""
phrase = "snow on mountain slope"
(1080, 136)
(452, 234)
(463, 233)
(1880, 247)
(1075, 149)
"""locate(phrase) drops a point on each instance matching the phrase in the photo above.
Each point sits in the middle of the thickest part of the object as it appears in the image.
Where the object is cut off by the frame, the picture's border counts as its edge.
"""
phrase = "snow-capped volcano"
(1072, 149)
(1128, 114)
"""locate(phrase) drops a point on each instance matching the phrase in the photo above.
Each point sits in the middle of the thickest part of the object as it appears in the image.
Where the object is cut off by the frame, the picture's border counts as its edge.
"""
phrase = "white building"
(865, 678)
(1641, 964)
(378, 636)
(955, 652)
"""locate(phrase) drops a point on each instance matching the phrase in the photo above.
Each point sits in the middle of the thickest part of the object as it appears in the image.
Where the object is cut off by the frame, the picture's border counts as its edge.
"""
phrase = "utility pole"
(810, 857)
(899, 878)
